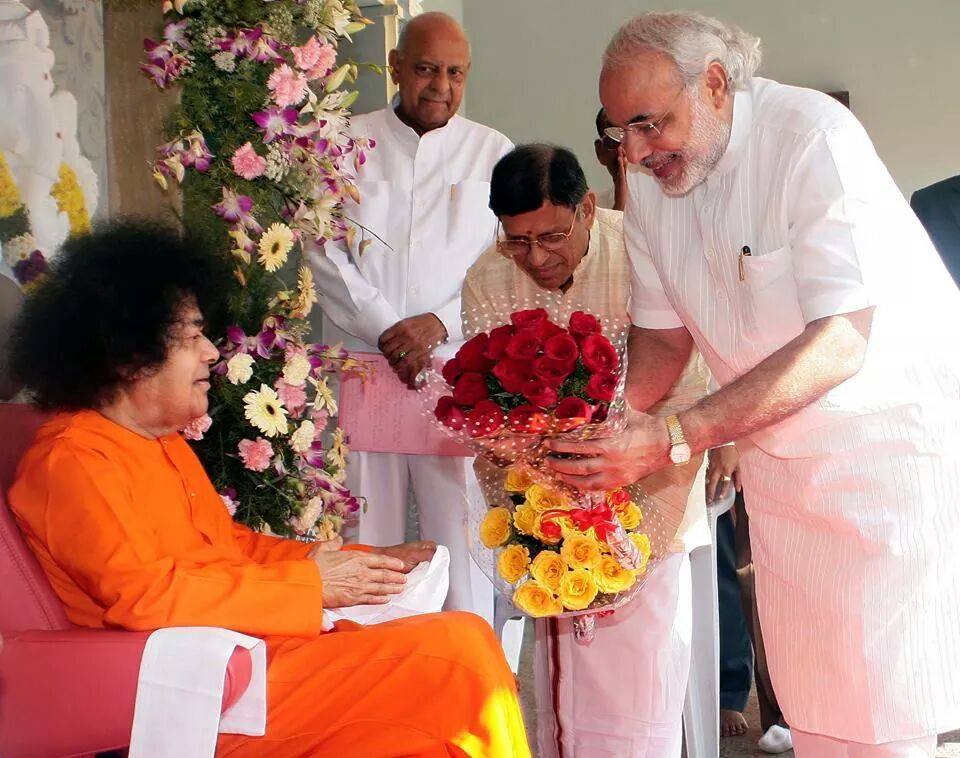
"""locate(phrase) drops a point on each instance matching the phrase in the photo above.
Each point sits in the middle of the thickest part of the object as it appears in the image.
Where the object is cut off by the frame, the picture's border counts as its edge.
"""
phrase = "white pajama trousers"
(622, 695)
(440, 484)
(806, 745)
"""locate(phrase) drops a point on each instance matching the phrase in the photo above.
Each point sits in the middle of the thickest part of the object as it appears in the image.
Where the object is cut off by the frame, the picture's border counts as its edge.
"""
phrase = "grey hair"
(692, 40)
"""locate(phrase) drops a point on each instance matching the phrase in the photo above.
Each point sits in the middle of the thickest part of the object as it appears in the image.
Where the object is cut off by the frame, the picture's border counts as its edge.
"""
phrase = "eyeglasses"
(551, 243)
(647, 130)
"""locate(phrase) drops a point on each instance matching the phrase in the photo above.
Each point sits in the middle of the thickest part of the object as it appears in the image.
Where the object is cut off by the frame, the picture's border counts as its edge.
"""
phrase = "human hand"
(411, 553)
(603, 464)
(352, 577)
(408, 345)
(723, 471)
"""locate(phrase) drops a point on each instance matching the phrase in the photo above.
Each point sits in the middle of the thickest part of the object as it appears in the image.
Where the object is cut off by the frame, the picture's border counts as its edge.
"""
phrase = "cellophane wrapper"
(549, 548)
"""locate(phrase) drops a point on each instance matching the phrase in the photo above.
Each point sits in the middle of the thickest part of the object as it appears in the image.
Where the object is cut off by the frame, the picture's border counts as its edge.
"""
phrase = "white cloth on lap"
(180, 691)
(424, 592)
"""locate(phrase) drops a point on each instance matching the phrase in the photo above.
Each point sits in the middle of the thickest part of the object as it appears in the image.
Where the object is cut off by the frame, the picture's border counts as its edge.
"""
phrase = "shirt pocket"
(471, 225)
(771, 308)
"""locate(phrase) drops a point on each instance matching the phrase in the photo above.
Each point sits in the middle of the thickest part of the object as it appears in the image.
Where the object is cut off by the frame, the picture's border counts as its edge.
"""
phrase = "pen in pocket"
(744, 251)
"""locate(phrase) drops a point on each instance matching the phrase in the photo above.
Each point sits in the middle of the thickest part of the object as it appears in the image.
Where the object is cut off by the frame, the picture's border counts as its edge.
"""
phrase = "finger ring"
(402, 354)
(725, 478)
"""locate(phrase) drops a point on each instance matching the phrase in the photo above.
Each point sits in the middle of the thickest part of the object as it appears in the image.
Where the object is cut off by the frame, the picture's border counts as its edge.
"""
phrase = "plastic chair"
(701, 708)
(64, 690)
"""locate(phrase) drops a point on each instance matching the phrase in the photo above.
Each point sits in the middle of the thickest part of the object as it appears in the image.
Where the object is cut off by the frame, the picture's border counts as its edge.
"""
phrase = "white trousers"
(440, 486)
(806, 745)
(622, 695)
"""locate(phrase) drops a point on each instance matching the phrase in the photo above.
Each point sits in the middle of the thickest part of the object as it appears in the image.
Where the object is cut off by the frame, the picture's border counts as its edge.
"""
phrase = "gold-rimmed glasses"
(520, 247)
(647, 129)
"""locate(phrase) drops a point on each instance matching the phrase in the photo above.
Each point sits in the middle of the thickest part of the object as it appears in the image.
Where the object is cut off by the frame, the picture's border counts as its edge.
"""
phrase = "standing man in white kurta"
(771, 235)
(424, 193)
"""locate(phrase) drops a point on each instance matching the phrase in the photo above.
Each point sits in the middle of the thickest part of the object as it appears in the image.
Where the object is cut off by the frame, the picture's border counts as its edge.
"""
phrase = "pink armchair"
(64, 691)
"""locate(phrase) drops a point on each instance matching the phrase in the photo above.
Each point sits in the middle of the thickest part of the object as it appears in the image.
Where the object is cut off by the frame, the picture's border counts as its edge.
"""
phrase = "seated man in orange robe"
(132, 533)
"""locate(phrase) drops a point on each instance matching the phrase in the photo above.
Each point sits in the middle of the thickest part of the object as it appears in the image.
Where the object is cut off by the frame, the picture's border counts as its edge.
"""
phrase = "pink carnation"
(197, 428)
(229, 503)
(247, 163)
(256, 456)
(315, 57)
(320, 418)
(289, 87)
(293, 397)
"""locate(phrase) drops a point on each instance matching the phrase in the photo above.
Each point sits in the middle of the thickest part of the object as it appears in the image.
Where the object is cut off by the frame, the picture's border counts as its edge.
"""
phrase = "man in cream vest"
(423, 210)
(621, 695)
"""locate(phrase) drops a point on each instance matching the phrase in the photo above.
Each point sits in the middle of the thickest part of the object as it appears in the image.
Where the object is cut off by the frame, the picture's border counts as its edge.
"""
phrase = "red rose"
(617, 497)
(570, 413)
(582, 324)
(485, 419)
(528, 419)
(550, 529)
(538, 392)
(512, 374)
(599, 413)
(563, 347)
(471, 357)
(524, 345)
(499, 338)
(599, 354)
(523, 319)
(451, 370)
(547, 329)
(551, 370)
(470, 389)
(602, 386)
(449, 414)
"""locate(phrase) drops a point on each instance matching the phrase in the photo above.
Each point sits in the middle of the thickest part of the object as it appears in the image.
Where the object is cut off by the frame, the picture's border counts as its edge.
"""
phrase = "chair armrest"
(73, 692)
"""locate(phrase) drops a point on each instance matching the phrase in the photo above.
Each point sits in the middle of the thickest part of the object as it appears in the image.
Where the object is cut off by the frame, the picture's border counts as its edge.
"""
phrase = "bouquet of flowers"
(554, 550)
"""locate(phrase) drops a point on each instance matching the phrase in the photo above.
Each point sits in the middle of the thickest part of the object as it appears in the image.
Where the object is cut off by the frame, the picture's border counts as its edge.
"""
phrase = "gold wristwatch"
(679, 449)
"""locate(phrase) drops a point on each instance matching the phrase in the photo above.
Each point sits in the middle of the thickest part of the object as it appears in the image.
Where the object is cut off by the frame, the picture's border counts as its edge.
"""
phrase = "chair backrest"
(27, 601)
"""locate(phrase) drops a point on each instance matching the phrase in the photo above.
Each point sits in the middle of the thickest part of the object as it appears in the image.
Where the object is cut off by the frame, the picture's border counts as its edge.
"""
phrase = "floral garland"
(20, 250)
(259, 145)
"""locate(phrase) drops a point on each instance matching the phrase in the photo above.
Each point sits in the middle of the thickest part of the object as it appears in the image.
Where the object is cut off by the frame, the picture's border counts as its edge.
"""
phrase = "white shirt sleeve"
(649, 306)
(347, 298)
(837, 198)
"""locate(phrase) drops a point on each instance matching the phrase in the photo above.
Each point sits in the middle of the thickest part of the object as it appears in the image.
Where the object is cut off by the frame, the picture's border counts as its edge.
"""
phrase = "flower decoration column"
(261, 148)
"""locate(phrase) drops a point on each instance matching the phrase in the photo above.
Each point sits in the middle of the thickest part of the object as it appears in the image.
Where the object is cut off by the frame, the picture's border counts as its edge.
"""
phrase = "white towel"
(180, 690)
(424, 592)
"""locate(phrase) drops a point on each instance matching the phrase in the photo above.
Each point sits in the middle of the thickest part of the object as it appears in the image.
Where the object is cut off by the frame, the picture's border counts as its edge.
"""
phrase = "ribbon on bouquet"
(600, 517)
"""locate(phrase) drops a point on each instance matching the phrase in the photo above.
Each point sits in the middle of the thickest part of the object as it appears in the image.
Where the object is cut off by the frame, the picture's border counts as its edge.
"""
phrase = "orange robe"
(132, 535)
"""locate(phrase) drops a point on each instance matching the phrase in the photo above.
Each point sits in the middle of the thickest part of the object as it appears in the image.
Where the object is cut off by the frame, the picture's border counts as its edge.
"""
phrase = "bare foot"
(732, 723)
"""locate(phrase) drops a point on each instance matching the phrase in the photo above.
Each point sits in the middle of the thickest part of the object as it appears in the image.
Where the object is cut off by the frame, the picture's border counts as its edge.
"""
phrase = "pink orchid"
(197, 428)
(236, 208)
(229, 503)
(264, 49)
(275, 122)
(175, 33)
(256, 455)
(247, 163)
(240, 43)
(289, 87)
(196, 153)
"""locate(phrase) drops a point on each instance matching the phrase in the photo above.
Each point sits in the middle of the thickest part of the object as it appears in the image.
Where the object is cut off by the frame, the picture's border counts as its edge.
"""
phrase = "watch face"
(680, 453)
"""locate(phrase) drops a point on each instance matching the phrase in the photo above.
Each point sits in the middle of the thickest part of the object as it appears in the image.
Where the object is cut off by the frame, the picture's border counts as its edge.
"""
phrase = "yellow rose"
(513, 562)
(580, 551)
(534, 599)
(543, 499)
(495, 527)
(631, 516)
(517, 481)
(552, 535)
(611, 576)
(642, 542)
(578, 589)
(524, 519)
(548, 568)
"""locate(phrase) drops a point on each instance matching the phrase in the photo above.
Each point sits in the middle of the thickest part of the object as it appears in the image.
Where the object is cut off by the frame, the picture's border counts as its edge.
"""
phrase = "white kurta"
(854, 500)
(423, 203)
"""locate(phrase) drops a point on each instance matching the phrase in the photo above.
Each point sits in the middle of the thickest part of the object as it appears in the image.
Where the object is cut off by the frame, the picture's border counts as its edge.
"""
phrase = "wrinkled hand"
(723, 471)
(352, 577)
(411, 553)
(642, 448)
(408, 345)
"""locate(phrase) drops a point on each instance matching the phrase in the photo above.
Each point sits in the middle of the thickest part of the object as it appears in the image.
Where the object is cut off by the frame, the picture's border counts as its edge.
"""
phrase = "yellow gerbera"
(306, 293)
(264, 410)
(275, 243)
